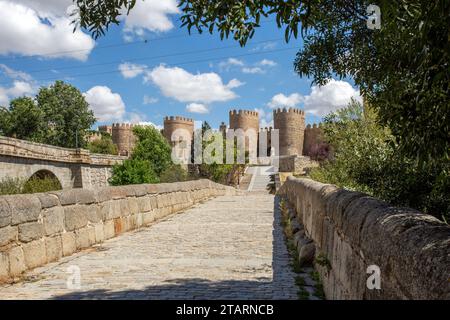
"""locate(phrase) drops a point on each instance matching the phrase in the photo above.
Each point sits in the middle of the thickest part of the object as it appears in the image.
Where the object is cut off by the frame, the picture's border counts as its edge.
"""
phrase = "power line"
(180, 63)
(147, 58)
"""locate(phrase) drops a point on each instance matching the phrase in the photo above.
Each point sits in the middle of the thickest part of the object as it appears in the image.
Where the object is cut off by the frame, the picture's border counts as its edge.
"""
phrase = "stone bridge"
(74, 168)
(203, 240)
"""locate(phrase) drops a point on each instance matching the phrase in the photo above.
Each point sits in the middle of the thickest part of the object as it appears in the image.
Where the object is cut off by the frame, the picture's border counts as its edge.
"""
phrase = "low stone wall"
(353, 231)
(296, 164)
(40, 228)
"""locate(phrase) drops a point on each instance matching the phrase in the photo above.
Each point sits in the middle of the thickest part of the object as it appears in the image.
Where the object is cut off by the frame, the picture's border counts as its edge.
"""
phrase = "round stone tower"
(173, 123)
(244, 119)
(123, 137)
(291, 127)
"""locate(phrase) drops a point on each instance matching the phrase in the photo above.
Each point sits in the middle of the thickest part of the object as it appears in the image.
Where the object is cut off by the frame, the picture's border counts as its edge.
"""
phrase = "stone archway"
(49, 176)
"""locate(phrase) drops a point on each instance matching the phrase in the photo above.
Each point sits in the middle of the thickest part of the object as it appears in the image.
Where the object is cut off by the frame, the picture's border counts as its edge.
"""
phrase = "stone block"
(110, 209)
(140, 190)
(306, 252)
(4, 267)
(94, 214)
(8, 234)
(99, 232)
(144, 204)
(53, 220)
(85, 237)
(124, 208)
(48, 200)
(75, 196)
(68, 241)
(133, 205)
(24, 208)
(31, 231)
(75, 217)
(35, 253)
(53, 246)
(148, 217)
(16, 261)
(5, 213)
(108, 229)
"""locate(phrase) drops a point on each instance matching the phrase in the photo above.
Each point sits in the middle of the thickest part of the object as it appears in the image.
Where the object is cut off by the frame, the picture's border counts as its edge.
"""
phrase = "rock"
(53, 220)
(31, 231)
(24, 208)
(306, 252)
(8, 234)
(75, 217)
(16, 261)
(35, 254)
(295, 226)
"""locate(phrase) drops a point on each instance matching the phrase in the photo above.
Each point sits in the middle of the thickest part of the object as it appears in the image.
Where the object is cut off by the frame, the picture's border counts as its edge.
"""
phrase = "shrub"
(104, 145)
(33, 185)
(174, 173)
(133, 171)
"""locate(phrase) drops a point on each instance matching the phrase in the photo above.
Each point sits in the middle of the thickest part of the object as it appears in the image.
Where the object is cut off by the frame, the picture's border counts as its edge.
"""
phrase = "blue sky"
(148, 67)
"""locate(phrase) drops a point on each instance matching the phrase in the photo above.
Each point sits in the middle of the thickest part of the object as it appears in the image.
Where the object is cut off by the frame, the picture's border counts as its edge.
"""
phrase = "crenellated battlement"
(289, 110)
(178, 118)
(123, 125)
(314, 126)
(244, 113)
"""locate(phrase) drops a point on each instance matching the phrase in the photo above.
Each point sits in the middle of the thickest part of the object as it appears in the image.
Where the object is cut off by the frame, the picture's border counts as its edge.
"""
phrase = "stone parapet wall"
(37, 229)
(296, 164)
(353, 231)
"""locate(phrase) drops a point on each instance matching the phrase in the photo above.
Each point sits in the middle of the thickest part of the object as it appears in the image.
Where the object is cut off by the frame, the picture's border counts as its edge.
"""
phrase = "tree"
(23, 120)
(153, 147)
(66, 114)
(103, 145)
(402, 68)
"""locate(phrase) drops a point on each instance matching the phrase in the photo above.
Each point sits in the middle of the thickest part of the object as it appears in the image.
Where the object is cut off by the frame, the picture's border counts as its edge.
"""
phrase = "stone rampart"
(352, 231)
(41, 228)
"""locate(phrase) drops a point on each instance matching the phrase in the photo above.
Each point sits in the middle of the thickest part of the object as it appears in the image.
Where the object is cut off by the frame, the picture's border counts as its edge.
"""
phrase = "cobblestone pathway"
(227, 248)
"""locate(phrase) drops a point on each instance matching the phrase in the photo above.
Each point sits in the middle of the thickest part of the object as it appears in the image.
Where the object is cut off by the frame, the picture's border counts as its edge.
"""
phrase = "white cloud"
(151, 15)
(267, 62)
(265, 118)
(48, 7)
(130, 70)
(15, 74)
(197, 108)
(253, 70)
(149, 123)
(18, 89)
(265, 46)
(183, 86)
(234, 83)
(39, 30)
(281, 101)
(334, 95)
(149, 100)
(107, 106)
(230, 62)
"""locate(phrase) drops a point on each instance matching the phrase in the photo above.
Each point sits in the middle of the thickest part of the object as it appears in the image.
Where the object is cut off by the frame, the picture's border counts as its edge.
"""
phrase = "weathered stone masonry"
(40, 228)
(352, 231)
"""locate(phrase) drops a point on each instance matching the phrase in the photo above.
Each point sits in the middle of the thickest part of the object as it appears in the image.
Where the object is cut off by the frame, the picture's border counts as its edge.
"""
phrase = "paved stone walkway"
(230, 247)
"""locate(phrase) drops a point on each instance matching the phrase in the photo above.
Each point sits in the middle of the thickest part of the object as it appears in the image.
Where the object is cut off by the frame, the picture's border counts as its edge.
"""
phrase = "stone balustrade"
(353, 232)
(36, 229)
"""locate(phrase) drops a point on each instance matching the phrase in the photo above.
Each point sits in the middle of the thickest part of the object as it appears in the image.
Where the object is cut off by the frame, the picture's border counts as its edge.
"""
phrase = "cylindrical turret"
(291, 126)
(123, 138)
(244, 119)
(173, 123)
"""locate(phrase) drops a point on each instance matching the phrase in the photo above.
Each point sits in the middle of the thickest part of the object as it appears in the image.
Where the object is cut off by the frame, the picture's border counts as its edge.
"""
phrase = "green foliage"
(153, 147)
(33, 185)
(133, 171)
(23, 120)
(366, 158)
(104, 145)
(174, 173)
(66, 113)
(58, 116)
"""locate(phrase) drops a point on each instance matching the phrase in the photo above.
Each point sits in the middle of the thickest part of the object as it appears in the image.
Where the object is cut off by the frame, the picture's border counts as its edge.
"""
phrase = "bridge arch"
(42, 174)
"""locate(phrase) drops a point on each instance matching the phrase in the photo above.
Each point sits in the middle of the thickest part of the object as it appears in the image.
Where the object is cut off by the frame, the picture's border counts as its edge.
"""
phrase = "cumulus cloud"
(27, 31)
(265, 118)
(130, 70)
(234, 83)
(107, 106)
(197, 108)
(282, 101)
(151, 15)
(334, 95)
(259, 67)
(181, 85)
(14, 74)
(17, 89)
